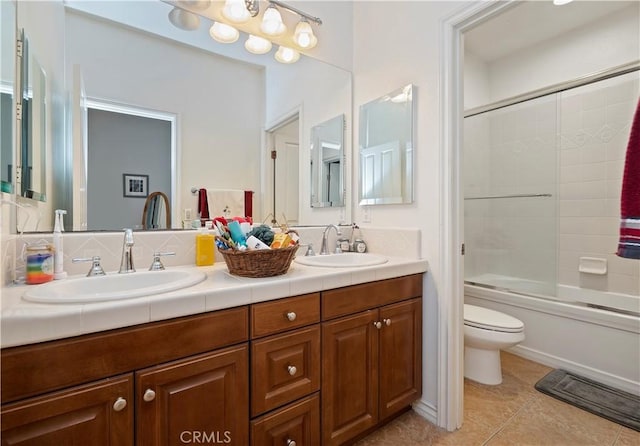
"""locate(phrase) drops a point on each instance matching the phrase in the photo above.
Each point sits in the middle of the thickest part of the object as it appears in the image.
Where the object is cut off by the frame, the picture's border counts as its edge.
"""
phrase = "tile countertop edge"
(26, 323)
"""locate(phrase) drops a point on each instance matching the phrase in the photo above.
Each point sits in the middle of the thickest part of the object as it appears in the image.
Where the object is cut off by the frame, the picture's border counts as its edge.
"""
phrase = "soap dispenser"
(58, 256)
(205, 247)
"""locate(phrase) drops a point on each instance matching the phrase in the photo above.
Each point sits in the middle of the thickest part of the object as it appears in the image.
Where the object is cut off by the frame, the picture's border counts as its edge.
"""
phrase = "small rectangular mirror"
(386, 148)
(327, 163)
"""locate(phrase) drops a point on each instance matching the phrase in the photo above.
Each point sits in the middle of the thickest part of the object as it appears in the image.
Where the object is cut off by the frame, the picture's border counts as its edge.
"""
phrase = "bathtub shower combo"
(543, 176)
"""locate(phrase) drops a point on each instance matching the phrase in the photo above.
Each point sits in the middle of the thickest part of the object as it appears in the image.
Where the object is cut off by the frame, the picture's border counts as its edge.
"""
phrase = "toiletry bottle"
(237, 235)
(58, 260)
(205, 248)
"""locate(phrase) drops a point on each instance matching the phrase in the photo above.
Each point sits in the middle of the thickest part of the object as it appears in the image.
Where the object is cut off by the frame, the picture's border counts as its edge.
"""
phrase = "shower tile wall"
(594, 128)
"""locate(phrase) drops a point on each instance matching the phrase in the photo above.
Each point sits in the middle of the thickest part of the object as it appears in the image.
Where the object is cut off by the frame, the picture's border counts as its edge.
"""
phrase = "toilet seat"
(487, 319)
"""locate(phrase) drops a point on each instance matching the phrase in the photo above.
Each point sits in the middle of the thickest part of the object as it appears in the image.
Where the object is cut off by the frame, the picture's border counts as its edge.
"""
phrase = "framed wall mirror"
(33, 125)
(387, 148)
(327, 162)
(7, 93)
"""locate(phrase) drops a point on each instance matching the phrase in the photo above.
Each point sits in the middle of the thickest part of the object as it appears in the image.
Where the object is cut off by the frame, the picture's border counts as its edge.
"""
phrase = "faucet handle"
(96, 268)
(157, 265)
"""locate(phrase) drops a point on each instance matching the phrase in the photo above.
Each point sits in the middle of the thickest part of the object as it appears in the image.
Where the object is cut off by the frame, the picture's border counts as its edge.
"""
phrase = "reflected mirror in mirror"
(157, 212)
(327, 163)
(7, 85)
(33, 125)
(386, 148)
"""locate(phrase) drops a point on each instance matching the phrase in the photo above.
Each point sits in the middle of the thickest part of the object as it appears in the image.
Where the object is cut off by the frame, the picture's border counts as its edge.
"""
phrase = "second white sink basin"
(344, 260)
(113, 286)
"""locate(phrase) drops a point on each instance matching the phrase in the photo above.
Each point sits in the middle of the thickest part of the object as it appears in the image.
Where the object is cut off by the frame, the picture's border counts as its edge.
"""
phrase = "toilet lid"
(491, 320)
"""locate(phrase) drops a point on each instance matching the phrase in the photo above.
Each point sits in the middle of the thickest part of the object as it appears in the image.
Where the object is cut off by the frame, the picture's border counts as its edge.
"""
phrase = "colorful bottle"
(205, 247)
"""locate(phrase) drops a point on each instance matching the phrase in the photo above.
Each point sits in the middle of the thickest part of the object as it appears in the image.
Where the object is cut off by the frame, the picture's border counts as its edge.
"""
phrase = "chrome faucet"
(126, 264)
(325, 235)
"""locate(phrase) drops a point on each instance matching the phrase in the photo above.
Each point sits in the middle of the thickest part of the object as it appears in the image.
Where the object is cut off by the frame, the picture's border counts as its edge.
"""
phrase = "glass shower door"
(511, 175)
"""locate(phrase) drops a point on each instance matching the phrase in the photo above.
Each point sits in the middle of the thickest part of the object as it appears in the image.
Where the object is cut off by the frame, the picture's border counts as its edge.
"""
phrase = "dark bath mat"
(610, 403)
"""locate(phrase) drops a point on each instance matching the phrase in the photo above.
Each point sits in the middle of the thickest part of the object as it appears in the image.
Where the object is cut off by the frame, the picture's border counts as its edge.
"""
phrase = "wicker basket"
(259, 263)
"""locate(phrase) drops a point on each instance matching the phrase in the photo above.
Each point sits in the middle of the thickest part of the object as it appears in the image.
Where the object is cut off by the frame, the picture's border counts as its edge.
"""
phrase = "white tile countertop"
(24, 322)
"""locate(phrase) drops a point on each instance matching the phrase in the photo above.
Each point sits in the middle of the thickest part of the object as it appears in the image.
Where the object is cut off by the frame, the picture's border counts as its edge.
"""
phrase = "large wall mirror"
(32, 124)
(222, 106)
(328, 163)
(387, 147)
(7, 98)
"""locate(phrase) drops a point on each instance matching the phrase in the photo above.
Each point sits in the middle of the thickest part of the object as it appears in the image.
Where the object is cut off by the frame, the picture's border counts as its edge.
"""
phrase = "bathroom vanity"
(322, 367)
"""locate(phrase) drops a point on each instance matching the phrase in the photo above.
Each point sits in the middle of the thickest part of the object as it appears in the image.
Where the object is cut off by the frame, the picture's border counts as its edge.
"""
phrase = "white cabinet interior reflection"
(327, 163)
(32, 174)
(386, 148)
(7, 86)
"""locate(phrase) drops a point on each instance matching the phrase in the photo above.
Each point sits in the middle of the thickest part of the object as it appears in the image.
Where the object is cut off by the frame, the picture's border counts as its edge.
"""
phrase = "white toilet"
(486, 332)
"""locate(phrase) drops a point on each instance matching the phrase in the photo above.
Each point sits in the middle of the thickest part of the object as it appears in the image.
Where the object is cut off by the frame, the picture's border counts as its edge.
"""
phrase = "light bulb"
(257, 45)
(303, 36)
(223, 33)
(184, 19)
(272, 22)
(287, 55)
(235, 11)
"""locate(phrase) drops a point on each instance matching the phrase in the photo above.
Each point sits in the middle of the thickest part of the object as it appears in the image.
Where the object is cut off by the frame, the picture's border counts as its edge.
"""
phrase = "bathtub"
(570, 330)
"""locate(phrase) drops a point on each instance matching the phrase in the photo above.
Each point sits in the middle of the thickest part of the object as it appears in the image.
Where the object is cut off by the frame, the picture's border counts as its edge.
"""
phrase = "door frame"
(450, 317)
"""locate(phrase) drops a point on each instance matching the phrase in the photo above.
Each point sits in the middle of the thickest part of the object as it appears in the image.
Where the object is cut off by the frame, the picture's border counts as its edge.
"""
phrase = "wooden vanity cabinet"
(182, 385)
(372, 359)
(99, 413)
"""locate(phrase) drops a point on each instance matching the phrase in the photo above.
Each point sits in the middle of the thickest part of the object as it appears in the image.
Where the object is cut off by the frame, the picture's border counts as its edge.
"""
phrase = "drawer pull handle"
(120, 404)
(377, 324)
(149, 395)
(292, 370)
(292, 317)
(291, 442)
(387, 322)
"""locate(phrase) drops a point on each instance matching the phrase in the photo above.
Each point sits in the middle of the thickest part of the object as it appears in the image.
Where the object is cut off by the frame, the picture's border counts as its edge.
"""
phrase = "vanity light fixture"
(287, 55)
(561, 2)
(185, 20)
(257, 45)
(303, 36)
(272, 24)
(232, 17)
(223, 33)
(236, 11)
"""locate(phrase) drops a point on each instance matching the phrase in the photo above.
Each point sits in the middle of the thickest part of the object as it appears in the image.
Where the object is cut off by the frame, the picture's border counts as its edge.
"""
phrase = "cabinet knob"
(292, 317)
(120, 404)
(291, 442)
(149, 395)
(292, 370)
(387, 322)
(377, 324)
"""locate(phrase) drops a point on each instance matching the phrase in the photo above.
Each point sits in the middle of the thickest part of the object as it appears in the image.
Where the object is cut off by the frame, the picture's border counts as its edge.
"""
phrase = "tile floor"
(511, 414)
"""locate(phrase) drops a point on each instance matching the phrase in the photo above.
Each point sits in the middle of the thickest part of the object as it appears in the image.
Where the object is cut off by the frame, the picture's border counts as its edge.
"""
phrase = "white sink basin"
(344, 260)
(113, 286)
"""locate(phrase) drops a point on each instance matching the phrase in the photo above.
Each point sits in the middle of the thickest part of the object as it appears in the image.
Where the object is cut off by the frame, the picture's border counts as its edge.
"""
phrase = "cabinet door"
(296, 424)
(349, 376)
(201, 399)
(400, 356)
(100, 413)
(284, 368)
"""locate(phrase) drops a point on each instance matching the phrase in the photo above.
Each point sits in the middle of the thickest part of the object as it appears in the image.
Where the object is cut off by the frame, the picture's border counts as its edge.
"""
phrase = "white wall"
(397, 43)
(476, 81)
(609, 42)
(219, 102)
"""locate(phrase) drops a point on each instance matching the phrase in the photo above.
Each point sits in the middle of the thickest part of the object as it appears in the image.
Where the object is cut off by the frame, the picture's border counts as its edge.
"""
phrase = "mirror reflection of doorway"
(284, 182)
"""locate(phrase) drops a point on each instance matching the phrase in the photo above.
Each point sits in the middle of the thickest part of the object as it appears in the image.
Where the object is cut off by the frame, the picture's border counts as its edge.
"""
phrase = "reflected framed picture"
(135, 186)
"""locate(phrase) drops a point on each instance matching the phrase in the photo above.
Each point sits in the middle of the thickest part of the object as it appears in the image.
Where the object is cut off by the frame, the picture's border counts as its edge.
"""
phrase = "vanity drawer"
(284, 367)
(284, 314)
(353, 299)
(299, 422)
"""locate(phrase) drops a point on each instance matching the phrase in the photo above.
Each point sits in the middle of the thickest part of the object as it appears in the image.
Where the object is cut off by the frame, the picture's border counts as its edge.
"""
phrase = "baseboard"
(426, 411)
(588, 372)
